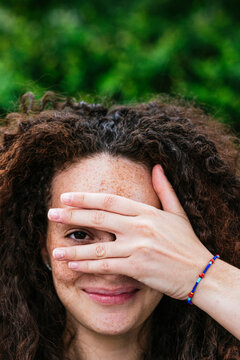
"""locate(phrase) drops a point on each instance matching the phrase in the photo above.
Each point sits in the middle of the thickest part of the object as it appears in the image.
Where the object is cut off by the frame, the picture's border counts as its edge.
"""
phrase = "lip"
(111, 296)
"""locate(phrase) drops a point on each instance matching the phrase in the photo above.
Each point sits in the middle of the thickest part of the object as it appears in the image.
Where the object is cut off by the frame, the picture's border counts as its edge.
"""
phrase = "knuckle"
(108, 201)
(145, 227)
(74, 252)
(105, 267)
(98, 217)
(133, 261)
(100, 250)
(81, 198)
(145, 251)
(136, 265)
(68, 215)
(153, 211)
(142, 245)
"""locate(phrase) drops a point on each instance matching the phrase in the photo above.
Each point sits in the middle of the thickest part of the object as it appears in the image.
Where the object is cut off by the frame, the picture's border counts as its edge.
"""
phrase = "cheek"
(61, 272)
(152, 299)
(65, 281)
(149, 302)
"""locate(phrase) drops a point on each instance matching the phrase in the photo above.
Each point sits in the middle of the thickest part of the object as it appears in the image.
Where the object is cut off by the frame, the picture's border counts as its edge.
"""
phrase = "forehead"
(106, 174)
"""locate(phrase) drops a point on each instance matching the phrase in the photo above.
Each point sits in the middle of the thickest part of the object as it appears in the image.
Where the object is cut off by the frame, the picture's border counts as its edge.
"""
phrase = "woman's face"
(103, 174)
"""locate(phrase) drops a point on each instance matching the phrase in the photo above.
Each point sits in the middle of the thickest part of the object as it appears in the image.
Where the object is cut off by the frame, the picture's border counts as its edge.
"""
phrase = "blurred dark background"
(129, 50)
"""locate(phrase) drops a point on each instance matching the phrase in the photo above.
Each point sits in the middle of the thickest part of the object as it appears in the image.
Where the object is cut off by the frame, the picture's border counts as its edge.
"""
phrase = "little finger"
(103, 266)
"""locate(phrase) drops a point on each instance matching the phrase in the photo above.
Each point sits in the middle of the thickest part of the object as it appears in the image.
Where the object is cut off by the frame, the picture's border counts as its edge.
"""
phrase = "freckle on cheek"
(63, 273)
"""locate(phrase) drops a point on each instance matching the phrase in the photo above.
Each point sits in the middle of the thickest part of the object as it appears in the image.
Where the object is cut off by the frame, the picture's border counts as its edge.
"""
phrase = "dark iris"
(79, 235)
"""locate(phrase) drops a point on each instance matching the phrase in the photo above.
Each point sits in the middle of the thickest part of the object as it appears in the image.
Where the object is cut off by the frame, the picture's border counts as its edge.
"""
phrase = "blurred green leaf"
(126, 50)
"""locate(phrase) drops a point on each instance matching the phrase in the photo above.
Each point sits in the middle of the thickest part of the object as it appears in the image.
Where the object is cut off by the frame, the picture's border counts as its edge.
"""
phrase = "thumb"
(165, 192)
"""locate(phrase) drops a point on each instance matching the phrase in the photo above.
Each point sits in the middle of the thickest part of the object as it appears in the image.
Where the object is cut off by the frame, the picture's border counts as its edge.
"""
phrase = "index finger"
(101, 201)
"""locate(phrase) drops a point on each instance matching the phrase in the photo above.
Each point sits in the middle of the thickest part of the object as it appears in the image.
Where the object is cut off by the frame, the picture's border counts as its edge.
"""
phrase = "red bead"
(190, 294)
(212, 261)
(201, 275)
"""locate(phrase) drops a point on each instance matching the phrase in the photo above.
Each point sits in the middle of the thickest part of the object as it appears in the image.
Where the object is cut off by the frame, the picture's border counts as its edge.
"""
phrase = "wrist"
(201, 276)
(218, 295)
(209, 288)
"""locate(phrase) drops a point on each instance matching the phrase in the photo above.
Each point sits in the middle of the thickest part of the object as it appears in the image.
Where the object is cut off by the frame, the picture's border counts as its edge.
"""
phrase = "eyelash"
(78, 231)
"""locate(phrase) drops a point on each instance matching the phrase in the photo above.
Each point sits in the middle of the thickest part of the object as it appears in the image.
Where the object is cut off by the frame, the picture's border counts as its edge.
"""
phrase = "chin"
(113, 325)
(110, 320)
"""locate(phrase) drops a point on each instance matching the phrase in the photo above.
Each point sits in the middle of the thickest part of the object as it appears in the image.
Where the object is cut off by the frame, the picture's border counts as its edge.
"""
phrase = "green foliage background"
(126, 49)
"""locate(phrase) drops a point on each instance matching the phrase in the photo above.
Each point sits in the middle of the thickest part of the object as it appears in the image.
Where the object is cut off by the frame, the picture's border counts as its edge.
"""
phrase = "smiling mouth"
(110, 296)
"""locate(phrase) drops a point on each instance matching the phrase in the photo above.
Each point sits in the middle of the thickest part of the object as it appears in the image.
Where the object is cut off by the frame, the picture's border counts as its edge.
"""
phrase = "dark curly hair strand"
(201, 160)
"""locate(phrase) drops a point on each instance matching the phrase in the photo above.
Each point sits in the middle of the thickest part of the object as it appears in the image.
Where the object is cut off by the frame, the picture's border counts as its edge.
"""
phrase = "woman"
(98, 252)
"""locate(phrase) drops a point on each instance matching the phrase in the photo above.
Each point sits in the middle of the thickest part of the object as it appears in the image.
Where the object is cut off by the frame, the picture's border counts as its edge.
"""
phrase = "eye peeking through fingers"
(82, 236)
(79, 235)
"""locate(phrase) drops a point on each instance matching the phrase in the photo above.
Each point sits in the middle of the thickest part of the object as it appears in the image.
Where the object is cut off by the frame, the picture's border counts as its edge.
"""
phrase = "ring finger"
(93, 251)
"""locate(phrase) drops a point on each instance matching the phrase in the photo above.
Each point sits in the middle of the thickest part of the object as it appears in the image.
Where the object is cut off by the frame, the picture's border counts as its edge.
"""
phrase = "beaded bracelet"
(201, 276)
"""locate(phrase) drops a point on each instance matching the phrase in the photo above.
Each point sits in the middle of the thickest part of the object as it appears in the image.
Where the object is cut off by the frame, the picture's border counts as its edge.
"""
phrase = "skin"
(103, 331)
(164, 252)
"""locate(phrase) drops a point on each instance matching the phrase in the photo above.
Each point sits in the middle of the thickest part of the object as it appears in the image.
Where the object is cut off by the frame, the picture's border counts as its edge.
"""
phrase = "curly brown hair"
(200, 158)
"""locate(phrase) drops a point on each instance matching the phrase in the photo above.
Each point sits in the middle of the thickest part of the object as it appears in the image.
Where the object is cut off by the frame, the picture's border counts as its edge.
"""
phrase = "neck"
(90, 345)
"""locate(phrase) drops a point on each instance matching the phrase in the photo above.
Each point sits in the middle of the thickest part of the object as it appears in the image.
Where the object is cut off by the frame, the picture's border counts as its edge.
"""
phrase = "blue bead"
(199, 279)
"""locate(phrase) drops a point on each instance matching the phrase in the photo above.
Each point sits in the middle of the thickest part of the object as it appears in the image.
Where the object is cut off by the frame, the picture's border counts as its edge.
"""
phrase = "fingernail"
(59, 253)
(66, 198)
(54, 214)
(73, 265)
